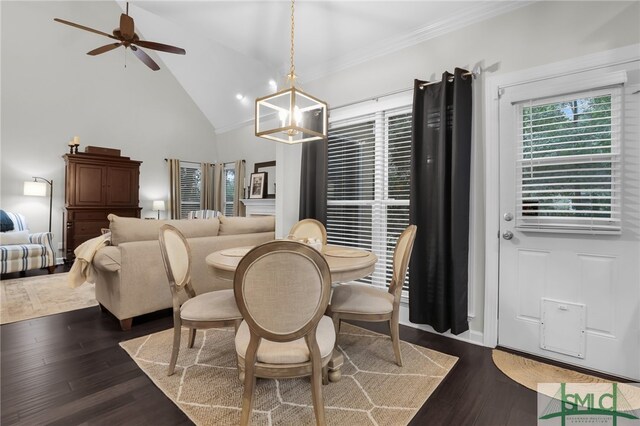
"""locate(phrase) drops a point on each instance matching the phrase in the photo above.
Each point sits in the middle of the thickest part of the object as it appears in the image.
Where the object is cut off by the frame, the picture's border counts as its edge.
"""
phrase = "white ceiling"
(238, 46)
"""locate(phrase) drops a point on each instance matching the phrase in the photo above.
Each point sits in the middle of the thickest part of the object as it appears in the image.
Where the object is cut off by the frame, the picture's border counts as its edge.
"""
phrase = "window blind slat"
(568, 164)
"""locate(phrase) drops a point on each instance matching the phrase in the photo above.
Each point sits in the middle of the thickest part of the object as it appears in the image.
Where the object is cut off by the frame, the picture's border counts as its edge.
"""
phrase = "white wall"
(538, 34)
(51, 90)
(242, 144)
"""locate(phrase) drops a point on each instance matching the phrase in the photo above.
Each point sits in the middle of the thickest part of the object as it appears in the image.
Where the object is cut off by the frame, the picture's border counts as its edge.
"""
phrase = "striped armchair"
(34, 254)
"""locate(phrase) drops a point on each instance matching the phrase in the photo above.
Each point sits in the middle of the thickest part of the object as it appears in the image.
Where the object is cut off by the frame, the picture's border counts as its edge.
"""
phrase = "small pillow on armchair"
(6, 224)
(14, 238)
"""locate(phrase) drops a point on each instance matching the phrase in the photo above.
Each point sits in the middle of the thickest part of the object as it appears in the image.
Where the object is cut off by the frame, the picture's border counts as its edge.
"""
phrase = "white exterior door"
(569, 279)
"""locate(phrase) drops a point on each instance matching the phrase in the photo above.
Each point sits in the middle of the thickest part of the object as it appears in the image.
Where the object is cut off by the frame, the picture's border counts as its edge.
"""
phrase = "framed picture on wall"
(257, 185)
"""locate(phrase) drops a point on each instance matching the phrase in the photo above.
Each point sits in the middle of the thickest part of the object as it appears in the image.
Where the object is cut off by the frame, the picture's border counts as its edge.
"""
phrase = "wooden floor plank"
(68, 369)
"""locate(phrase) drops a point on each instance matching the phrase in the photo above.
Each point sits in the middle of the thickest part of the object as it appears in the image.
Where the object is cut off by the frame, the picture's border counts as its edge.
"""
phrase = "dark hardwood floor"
(68, 369)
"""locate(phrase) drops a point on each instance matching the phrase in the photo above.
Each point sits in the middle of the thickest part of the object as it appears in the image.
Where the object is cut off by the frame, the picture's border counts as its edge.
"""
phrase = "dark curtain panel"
(440, 173)
(313, 181)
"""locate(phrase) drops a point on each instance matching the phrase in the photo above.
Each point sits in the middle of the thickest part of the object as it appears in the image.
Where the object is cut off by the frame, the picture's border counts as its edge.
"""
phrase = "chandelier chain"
(293, 26)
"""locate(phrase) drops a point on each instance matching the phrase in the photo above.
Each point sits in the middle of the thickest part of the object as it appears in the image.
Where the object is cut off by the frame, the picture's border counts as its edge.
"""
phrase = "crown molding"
(475, 13)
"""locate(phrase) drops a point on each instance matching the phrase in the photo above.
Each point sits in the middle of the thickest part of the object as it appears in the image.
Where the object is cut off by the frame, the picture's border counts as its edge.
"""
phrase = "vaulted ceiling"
(238, 46)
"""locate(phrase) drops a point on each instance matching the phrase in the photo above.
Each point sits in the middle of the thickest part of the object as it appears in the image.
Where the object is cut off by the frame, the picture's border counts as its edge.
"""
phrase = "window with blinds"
(368, 184)
(569, 163)
(229, 188)
(190, 187)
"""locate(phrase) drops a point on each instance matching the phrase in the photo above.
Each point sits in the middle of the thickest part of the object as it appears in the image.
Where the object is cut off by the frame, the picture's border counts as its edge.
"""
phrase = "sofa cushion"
(127, 229)
(246, 225)
(14, 237)
(108, 259)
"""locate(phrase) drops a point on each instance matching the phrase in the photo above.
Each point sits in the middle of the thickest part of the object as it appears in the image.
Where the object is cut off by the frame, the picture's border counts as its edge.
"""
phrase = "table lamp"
(158, 206)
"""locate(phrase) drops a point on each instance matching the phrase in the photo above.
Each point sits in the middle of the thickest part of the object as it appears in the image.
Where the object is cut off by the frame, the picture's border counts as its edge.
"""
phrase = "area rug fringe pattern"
(39, 296)
(373, 389)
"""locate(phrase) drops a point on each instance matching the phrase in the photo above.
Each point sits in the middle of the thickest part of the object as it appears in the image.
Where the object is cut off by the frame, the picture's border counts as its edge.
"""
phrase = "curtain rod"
(474, 73)
(423, 85)
(199, 162)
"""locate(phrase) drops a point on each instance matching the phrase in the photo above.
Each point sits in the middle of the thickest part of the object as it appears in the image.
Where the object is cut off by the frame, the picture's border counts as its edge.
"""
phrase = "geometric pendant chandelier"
(291, 116)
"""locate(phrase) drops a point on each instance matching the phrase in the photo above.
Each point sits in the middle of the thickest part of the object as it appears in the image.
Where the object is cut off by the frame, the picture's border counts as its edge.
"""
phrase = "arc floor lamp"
(38, 188)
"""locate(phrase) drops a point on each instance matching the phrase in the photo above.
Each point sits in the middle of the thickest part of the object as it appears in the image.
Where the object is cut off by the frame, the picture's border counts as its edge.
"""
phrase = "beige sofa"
(130, 276)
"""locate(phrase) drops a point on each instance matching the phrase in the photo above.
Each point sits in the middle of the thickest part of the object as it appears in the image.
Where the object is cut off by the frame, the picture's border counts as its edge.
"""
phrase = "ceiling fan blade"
(126, 27)
(161, 47)
(82, 27)
(145, 58)
(104, 49)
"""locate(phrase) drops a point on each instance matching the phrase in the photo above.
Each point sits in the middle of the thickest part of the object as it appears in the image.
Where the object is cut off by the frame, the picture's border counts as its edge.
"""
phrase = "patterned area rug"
(373, 389)
(33, 297)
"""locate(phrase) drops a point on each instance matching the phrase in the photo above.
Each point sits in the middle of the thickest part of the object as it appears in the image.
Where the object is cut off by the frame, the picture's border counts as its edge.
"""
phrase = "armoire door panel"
(122, 186)
(89, 189)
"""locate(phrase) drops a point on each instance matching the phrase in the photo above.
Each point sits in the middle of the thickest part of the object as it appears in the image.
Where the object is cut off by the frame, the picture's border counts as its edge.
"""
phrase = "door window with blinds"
(368, 184)
(568, 165)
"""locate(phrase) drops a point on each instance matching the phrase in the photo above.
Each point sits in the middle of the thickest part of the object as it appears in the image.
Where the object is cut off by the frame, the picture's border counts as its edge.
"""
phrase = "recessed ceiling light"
(273, 83)
(239, 96)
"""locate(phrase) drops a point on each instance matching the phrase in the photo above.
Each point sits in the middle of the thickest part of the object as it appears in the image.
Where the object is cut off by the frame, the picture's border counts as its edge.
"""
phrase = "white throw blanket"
(82, 270)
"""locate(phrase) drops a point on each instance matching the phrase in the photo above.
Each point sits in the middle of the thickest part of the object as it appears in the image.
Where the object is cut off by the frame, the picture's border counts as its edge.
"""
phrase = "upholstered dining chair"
(366, 303)
(215, 309)
(282, 289)
(309, 228)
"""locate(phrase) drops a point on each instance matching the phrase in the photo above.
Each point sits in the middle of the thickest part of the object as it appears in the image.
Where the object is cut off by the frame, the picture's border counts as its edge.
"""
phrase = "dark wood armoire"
(95, 186)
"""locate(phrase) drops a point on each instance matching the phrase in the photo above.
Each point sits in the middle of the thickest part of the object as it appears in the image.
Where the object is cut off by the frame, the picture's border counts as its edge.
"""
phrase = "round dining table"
(345, 264)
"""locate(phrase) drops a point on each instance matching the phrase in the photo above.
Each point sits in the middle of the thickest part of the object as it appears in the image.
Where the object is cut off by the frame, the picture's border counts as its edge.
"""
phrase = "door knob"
(508, 217)
(507, 235)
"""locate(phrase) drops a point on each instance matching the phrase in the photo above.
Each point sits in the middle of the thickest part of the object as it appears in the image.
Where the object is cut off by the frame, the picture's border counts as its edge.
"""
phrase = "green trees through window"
(568, 161)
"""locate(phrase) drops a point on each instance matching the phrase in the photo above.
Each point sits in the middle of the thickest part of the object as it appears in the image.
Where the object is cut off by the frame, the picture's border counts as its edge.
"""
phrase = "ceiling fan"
(128, 38)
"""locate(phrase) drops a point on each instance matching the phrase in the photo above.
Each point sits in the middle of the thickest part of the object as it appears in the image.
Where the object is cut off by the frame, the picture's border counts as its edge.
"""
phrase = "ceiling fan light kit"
(126, 36)
(291, 115)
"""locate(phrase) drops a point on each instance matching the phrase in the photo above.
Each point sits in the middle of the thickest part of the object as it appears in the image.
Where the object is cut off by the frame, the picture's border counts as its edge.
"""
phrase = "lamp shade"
(291, 116)
(158, 205)
(38, 189)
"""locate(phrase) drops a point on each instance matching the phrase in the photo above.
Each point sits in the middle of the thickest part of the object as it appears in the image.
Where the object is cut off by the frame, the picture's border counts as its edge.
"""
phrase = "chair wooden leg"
(336, 324)
(177, 330)
(51, 269)
(249, 380)
(192, 336)
(325, 375)
(395, 336)
(316, 383)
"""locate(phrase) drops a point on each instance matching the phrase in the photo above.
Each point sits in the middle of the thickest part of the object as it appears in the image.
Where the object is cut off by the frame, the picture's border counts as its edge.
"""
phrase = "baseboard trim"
(469, 336)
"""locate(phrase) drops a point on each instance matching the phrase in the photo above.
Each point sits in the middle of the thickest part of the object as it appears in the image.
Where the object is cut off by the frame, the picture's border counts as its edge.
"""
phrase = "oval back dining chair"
(309, 228)
(215, 309)
(282, 289)
(366, 303)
